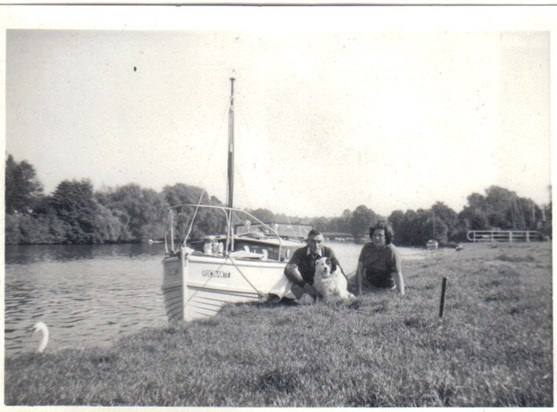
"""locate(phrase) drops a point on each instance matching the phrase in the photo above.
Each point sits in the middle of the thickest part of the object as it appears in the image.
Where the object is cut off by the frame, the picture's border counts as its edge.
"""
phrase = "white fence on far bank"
(504, 235)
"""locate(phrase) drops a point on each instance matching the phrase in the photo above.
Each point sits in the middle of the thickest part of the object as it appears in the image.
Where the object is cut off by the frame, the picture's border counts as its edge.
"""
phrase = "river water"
(90, 295)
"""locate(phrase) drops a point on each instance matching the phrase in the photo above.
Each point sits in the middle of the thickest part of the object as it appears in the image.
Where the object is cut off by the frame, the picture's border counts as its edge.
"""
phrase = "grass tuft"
(516, 258)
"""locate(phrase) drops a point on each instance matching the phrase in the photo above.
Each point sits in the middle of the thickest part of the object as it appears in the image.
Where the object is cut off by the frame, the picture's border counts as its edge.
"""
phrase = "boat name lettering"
(215, 274)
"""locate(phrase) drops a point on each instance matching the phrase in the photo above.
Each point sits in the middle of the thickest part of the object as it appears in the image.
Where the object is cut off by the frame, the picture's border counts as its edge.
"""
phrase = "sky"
(325, 119)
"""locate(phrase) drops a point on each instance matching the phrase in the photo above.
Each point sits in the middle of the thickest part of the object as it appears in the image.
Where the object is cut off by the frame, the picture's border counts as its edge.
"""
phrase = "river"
(91, 295)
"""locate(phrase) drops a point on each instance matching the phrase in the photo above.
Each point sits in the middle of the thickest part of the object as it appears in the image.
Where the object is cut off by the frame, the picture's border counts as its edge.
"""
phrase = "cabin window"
(270, 251)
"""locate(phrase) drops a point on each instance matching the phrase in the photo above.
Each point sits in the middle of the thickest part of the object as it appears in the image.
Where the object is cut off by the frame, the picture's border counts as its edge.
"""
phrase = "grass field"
(493, 347)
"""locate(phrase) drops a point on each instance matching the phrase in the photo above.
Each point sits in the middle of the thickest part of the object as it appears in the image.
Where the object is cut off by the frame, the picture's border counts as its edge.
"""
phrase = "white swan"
(41, 327)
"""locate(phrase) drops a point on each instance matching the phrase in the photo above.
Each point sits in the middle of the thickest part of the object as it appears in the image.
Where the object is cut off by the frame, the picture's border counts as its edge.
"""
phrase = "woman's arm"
(397, 272)
(359, 276)
(399, 281)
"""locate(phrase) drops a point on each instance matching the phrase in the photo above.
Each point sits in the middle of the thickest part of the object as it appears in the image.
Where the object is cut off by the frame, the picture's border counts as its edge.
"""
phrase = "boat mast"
(230, 194)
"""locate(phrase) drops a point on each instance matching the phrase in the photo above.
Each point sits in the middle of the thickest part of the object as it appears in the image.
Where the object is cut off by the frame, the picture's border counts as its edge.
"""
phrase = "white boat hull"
(196, 286)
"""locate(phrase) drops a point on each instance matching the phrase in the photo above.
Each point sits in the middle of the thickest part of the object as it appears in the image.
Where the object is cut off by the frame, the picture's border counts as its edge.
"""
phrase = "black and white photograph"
(287, 206)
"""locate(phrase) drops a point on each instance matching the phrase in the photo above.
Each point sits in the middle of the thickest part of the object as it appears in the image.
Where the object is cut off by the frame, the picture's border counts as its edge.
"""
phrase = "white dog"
(330, 283)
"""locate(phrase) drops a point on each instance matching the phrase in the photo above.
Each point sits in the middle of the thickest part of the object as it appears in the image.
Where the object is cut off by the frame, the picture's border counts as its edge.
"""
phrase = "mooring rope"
(259, 293)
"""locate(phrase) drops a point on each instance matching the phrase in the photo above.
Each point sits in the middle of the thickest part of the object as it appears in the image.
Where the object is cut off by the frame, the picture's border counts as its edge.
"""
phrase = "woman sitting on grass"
(379, 263)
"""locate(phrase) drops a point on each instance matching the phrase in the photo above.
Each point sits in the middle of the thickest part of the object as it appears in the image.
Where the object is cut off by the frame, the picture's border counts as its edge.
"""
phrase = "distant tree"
(410, 233)
(74, 203)
(206, 221)
(503, 208)
(441, 233)
(528, 213)
(397, 221)
(265, 215)
(32, 230)
(500, 208)
(475, 200)
(320, 223)
(415, 228)
(45, 214)
(140, 212)
(474, 219)
(109, 227)
(181, 193)
(423, 227)
(23, 188)
(361, 220)
(341, 223)
(446, 221)
(12, 234)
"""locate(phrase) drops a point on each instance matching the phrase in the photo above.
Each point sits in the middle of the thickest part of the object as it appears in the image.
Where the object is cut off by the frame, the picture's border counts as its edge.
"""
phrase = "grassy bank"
(493, 347)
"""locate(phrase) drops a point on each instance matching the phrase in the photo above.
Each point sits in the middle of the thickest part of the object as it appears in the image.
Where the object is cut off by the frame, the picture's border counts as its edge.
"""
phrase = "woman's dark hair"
(389, 234)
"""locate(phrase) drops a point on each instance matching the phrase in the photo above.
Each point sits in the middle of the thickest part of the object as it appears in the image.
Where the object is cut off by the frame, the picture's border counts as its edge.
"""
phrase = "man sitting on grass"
(300, 270)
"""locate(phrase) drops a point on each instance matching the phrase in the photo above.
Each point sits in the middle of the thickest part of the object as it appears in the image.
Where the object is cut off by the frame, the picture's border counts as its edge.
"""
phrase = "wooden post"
(443, 289)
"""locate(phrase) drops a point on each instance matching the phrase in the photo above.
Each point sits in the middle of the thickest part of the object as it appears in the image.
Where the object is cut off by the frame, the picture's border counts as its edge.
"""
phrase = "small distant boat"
(244, 264)
(432, 244)
(151, 241)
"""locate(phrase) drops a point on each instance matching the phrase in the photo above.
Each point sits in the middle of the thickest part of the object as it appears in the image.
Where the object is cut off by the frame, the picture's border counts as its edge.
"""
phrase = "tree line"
(76, 213)
(498, 209)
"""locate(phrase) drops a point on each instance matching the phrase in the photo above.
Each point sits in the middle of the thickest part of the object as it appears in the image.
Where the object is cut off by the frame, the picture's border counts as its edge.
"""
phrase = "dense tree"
(544, 223)
(397, 221)
(475, 200)
(446, 221)
(109, 227)
(12, 233)
(206, 221)
(342, 223)
(361, 220)
(181, 193)
(321, 224)
(501, 209)
(440, 232)
(499, 206)
(410, 229)
(473, 219)
(23, 189)
(74, 204)
(139, 211)
(416, 227)
(74, 214)
(264, 215)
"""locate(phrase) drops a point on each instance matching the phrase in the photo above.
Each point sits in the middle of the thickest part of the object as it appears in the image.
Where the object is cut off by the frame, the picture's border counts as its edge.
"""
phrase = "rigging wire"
(205, 174)
(193, 218)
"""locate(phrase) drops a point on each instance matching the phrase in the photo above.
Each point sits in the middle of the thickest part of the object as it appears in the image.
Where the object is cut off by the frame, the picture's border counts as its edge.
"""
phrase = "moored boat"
(199, 280)
(246, 263)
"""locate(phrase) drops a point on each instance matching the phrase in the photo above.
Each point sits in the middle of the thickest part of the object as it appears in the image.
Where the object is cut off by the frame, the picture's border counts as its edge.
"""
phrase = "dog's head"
(324, 267)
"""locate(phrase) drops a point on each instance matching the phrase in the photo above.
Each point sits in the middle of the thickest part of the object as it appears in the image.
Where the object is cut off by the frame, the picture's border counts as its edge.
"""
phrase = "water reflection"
(87, 295)
(24, 254)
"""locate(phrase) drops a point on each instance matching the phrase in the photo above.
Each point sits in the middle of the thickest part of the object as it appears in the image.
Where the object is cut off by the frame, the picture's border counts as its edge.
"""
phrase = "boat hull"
(197, 286)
